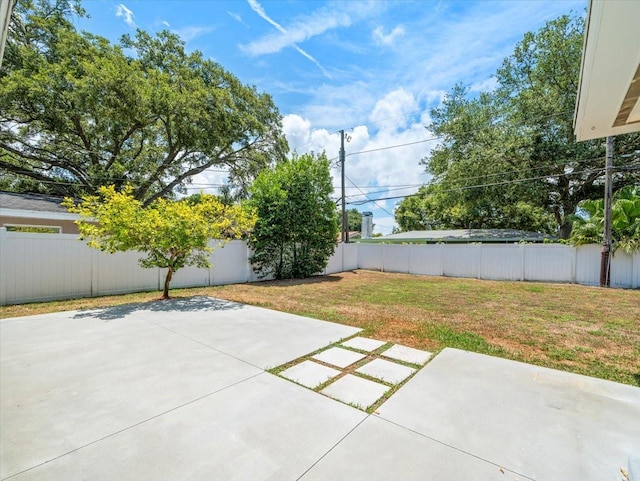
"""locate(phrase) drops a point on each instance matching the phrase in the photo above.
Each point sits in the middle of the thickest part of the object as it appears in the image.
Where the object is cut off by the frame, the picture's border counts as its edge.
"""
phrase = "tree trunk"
(565, 230)
(167, 280)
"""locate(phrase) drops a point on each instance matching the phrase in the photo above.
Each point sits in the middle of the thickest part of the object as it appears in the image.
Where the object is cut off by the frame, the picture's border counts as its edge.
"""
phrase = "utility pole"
(605, 260)
(345, 223)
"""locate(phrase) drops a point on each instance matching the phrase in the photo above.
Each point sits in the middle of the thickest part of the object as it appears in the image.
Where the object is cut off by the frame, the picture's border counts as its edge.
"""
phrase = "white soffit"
(609, 92)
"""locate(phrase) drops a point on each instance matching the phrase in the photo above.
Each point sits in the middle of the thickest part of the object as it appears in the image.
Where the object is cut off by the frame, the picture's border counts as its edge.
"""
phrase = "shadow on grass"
(178, 305)
(636, 378)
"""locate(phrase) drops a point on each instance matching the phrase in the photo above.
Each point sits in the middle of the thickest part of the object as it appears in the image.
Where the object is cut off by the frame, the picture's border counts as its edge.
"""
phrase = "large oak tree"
(509, 158)
(79, 112)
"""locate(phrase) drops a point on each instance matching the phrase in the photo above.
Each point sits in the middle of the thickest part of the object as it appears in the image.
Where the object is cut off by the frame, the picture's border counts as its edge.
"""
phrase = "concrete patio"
(178, 390)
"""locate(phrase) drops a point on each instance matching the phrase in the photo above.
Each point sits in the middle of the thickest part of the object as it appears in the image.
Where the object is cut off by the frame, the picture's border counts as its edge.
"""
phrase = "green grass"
(580, 329)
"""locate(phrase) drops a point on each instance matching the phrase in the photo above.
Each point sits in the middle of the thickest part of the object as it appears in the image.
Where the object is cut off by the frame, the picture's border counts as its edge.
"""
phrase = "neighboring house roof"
(34, 206)
(467, 235)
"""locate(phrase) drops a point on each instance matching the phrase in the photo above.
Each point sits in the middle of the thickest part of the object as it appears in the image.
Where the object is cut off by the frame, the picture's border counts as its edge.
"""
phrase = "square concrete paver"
(407, 354)
(364, 344)
(355, 390)
(386, 371)
(339, 357)
(309, 374)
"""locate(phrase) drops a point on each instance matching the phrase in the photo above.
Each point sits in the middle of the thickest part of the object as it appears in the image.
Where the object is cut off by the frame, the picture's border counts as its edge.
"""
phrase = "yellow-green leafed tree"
(172, 234)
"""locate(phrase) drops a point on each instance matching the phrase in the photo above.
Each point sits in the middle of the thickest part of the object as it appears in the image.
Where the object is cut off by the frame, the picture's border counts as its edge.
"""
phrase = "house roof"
(468, 235)
(609, 91)
(39, 202)
(33, 206)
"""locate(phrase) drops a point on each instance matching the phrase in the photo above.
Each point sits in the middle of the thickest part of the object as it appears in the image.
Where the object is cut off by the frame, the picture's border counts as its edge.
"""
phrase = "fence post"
(574, 262)
(248, 266)
(95, 288)
(3, 268)
(524, 261)
(479, 269)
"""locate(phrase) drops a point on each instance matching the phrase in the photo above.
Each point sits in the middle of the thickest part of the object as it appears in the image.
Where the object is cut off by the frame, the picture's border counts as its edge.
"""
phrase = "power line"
(438, 137)
(496, 174)
(495, 184)
(379, 206)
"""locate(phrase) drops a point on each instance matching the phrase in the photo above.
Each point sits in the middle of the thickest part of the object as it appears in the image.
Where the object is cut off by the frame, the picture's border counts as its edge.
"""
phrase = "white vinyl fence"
(513, 262)
(40, 267)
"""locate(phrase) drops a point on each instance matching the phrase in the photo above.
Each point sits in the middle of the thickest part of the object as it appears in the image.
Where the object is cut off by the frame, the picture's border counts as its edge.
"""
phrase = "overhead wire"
(379, 206)
(495, 184)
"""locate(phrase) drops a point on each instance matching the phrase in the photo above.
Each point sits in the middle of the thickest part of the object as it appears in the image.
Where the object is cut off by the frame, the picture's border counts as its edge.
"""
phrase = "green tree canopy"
(296, 231)
(508, 158)
(588, 226)
(78, 112)
(354, 219)
(435, 208)
(172, 234)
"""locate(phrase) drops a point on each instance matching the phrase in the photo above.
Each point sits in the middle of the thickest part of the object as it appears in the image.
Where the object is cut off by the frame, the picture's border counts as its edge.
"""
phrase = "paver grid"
(358, 371)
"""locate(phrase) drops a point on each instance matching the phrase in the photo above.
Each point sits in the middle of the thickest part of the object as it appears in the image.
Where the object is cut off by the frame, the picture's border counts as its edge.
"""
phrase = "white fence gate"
(41, 267)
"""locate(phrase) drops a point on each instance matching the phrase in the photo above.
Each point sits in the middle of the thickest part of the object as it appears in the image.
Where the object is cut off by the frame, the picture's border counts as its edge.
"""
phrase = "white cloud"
(381, 173)
(381, 39)
(393, 111)
(126, 14)
(300, 31)
(166, 24)
(487, 85)
(209, 181)
(383, 225)
(237, 18)
(291, 36)
(191, 32)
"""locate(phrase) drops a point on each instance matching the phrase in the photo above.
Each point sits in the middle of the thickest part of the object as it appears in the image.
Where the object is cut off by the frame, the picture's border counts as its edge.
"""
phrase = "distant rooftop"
(468, 235)
(33, 202)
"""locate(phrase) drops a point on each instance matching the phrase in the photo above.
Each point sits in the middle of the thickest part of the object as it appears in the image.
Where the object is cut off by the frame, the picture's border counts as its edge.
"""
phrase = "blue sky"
(372, 68)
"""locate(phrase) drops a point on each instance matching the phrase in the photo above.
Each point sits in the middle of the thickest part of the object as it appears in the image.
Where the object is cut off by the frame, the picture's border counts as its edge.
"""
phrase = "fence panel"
(120, 272)
(230, 263)
(350, 254)
(588, 265)
(462, 260)
(189, 276)
(395, 258)
(370, 256)
(335, 263)
(42, 267)
(548, 262)
(502, 262)
(426, 260)
(621, 269)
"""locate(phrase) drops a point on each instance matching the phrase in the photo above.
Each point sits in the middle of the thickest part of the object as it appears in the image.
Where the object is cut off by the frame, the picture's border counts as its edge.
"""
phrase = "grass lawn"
(581, 329)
